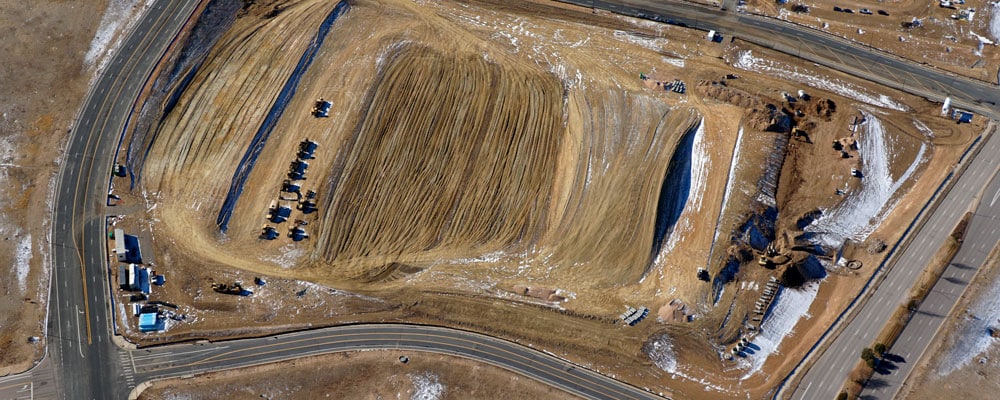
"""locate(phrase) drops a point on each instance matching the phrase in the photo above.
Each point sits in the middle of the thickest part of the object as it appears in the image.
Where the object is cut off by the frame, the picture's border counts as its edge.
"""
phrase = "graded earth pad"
(488, 166)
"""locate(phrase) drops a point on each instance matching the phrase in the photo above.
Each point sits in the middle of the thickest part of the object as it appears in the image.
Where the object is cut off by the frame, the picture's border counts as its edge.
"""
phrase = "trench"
(246, 164)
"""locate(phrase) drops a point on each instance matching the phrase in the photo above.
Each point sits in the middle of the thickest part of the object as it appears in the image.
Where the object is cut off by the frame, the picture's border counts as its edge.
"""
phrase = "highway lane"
(819, 47)
(825, 377)
(79, 344)
(981, 237)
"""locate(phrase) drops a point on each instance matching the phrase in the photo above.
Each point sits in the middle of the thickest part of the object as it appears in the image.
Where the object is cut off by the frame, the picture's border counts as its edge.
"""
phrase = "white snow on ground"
(700, 163)
(923, 128)
(677, 62)
(23, 263)
(863, 210)
(980, 38)
(746, 61)
(790, 305)
(661, 351)
(971, 336)
(995, 20)
(288, 255)
(426, 386)
(118, 18)
(731, 180)
(655, 44)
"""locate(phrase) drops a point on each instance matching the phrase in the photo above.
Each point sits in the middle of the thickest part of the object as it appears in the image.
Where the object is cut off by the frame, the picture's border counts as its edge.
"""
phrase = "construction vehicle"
(236, 289)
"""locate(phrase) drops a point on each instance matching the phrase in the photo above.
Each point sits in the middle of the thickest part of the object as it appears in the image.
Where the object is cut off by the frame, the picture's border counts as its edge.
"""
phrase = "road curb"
(848, 315)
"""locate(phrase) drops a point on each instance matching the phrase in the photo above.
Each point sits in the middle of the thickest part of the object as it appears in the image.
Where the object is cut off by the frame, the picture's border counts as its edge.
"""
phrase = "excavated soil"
(487, 166)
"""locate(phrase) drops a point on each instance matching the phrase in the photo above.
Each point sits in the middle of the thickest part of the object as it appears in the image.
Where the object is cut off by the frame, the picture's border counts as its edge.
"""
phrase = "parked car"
(865, 11)
(837, 9)
(883, 12)
(849, 11)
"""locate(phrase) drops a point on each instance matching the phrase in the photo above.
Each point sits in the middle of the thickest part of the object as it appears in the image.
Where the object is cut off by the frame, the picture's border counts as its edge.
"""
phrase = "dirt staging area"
(488, 166)
(364, 375)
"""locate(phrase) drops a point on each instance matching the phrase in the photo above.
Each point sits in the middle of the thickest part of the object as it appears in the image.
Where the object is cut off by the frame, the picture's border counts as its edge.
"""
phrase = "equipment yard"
(686, 213)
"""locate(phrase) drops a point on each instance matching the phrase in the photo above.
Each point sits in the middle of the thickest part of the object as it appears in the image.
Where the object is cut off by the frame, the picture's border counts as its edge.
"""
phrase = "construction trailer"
(127, 248)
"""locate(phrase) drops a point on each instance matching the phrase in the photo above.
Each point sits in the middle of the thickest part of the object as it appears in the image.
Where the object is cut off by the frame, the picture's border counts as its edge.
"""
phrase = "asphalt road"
(819, 47)
(982, 235)
(82, 362)
(831, 369)
(79, 325)
(181, 360)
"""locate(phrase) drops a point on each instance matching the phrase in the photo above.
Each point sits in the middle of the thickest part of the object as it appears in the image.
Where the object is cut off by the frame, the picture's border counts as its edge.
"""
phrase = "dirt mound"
(471, 167)
(719, 91)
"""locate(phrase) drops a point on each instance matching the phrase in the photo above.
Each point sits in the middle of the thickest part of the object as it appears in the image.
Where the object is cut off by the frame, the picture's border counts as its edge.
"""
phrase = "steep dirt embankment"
(625, 143)
(207, 133)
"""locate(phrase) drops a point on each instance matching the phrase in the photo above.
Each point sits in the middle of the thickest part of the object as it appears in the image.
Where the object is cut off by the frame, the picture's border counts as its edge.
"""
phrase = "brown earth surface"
(606, 139)
(527, 168)
(359, 375)
(43, 80)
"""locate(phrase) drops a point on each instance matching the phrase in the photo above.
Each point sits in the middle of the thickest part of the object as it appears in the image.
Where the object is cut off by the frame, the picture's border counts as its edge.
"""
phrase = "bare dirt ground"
(360, 375)
(938, 40)
(586, 146)
(976, 378)
(43, 78)
(489, 167)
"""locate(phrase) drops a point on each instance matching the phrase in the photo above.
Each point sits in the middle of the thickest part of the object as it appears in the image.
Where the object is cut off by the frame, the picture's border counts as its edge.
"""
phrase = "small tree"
(880, 349)
(871, 362)
(842, 396)
(867, 354)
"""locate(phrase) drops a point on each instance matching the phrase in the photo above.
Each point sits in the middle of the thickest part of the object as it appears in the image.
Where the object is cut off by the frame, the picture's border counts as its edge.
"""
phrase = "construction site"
(659, 205)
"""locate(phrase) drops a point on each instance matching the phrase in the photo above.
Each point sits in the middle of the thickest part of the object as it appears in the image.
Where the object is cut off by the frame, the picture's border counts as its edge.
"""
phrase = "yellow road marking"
(130, 66)
(248, 352)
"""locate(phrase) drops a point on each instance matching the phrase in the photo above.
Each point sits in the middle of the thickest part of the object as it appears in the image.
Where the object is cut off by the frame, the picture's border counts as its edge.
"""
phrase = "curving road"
(83, 363)
(79, 325)
(819, 47)
(185, 359)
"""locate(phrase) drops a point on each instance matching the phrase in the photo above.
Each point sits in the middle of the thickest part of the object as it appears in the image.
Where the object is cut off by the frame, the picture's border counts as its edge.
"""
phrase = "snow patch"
(971, 336)
(790, 305)
(661, 351)
(746, 61)
(23, 263)
(655, 44)
(863, 210)
(995, 20)
(118, 18)
(426, 386)
(700, 163)
(923, 128)
(288, 256)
